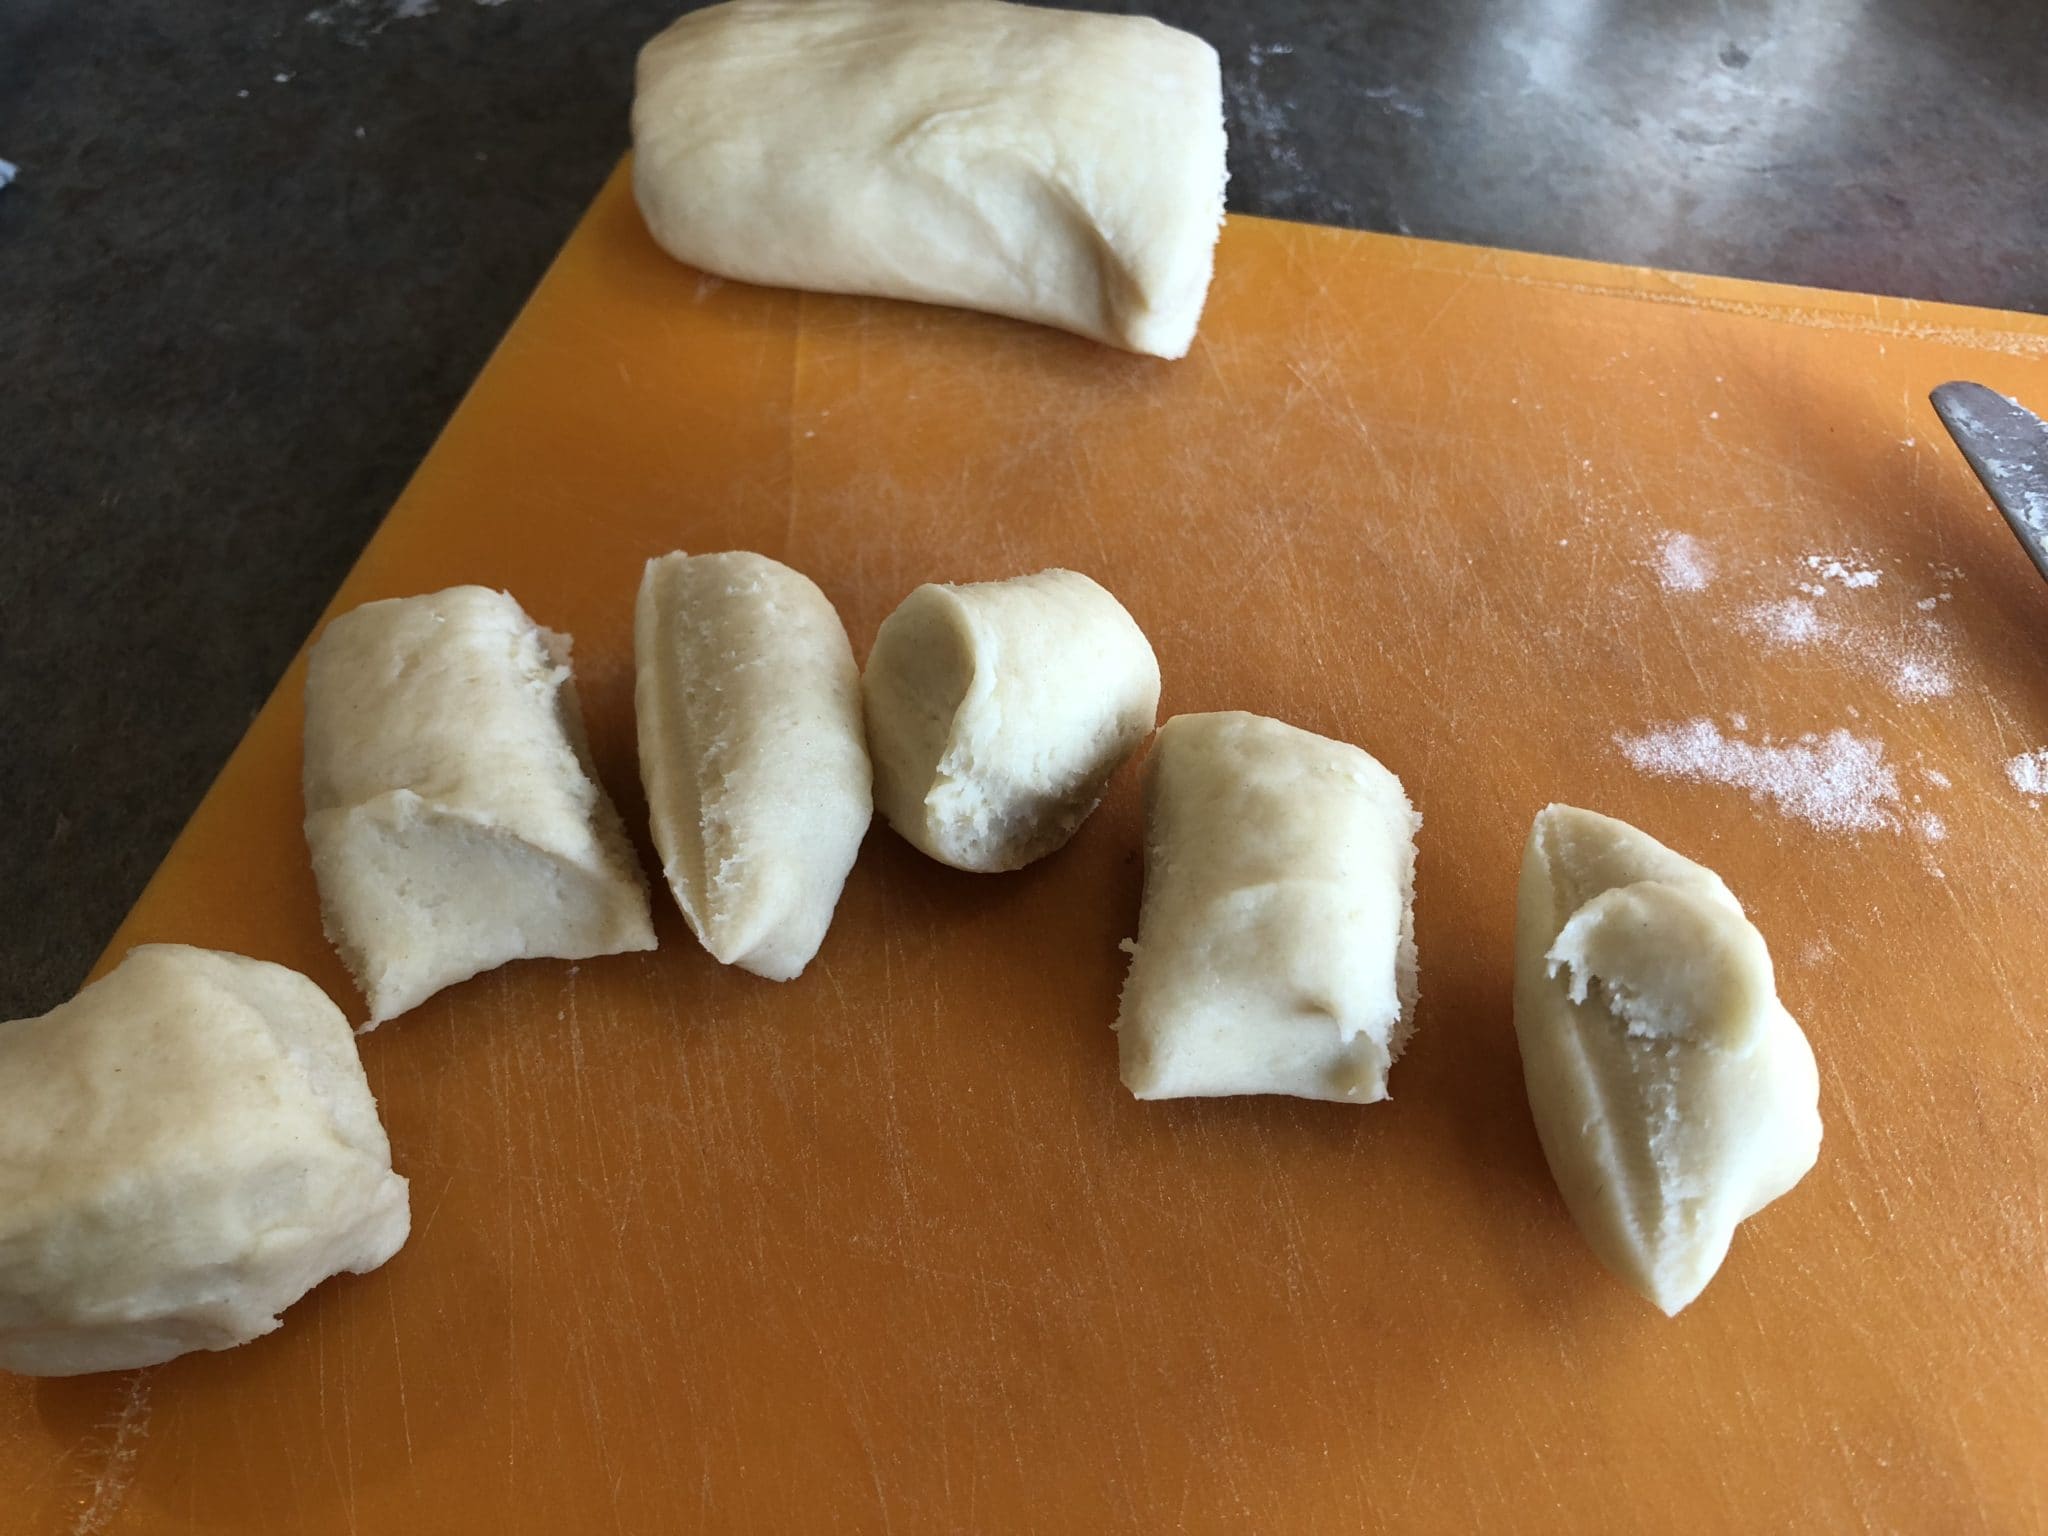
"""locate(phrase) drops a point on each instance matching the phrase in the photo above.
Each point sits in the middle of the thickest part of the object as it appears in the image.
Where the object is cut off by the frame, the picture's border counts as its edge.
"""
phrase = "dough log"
(453, 816)
(186, 1148)
(1673, 1094)
(1056, 166)
(751, 751)
(1276, 942)
(996, 712)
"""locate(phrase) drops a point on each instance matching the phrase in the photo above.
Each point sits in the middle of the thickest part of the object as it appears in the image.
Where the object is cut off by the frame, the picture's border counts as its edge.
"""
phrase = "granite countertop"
(255, 252)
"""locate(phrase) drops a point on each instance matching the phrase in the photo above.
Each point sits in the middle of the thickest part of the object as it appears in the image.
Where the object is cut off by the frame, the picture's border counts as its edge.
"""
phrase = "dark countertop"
(257, 251)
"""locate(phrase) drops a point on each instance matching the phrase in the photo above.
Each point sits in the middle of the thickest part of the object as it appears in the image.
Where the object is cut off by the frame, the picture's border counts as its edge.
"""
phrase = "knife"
(2007, 445)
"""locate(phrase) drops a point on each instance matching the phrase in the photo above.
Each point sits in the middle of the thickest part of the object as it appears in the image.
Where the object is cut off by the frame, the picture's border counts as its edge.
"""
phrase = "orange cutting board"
(888, 1247)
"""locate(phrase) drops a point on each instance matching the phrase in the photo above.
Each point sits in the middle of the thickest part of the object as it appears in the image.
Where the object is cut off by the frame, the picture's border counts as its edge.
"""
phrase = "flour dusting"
(1915, 658)
(1852, 573)
(1911, 657)
(1816, 952)
(1916, 677)
(2029, 773)
(1837, 782)
(1787, 622)
(116, 1472)
(1683, 564)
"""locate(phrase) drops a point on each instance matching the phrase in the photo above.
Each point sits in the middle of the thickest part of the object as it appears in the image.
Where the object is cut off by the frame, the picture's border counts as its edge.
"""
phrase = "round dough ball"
(186, 1148)
(997, 710)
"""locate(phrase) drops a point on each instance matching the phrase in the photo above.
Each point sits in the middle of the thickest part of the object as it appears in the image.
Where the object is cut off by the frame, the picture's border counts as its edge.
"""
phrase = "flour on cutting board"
(1684, 564)
(1787, 622)
(1849, 573)
(115, 1472)
(1843, 608)
(1816, 951)
(1835, 782)
(1921, 675)
(2029, 773)
(1826, 602)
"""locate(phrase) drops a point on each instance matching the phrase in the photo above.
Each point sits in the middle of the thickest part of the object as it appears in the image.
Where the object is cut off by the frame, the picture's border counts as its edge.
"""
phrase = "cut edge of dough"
(618, 860)
(1407, 956)
(778, 937)
(655, 733)
(922, 675)
(357, 853)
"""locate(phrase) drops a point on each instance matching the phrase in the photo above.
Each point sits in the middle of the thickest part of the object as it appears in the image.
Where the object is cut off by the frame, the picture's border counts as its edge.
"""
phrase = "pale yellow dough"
(1673, 1094)
(454, 819)
(186, 1148)
(1276, 942)
(997, 710)
(1057, 166)
(751, 752)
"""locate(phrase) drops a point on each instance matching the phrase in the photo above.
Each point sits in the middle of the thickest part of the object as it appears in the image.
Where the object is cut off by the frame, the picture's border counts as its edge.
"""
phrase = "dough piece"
(752, 753)
(997, 711)
(186, 1148)
(1053, 165)
(1673, 1094)
(453, 815)
(1276, 943)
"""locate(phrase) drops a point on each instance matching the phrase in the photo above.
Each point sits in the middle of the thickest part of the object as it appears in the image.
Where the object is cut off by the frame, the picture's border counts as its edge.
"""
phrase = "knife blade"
(2007, 445)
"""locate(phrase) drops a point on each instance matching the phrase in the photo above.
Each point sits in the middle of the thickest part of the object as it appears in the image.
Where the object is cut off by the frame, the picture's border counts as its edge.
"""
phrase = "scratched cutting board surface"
(889, 1248)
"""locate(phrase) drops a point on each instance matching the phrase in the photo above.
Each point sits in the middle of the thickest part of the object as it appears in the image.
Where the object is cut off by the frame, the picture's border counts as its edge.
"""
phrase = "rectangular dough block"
(454, 819)
(751, 750)
(1057, 166)
(1276, 943)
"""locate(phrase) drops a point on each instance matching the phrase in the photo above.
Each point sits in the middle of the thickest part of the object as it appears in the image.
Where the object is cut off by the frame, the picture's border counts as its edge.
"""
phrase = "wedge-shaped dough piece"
(186, 1148)
(996, 712)
(1276, 942)
(453, 815)
(1057, 166)
(751, 751)
(1673, 1094)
